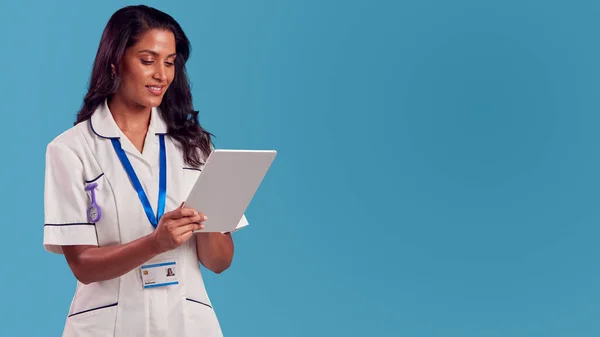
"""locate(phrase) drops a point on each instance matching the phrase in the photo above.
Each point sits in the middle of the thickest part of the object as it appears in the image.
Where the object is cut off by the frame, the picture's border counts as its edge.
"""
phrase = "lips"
(155, 89)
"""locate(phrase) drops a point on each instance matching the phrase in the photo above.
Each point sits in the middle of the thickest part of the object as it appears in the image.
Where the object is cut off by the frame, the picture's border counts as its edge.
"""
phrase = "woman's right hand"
(176, 227)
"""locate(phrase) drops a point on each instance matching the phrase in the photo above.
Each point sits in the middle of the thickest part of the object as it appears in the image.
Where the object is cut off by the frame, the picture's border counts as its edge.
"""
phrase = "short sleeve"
(65, 201)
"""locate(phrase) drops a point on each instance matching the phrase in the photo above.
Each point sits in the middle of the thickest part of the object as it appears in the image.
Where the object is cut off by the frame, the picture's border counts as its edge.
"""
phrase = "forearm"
(93, 264)
(214, 250)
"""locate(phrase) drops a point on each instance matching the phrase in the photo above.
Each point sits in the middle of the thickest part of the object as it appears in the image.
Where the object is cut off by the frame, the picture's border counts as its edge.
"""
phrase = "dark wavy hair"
(122, 31)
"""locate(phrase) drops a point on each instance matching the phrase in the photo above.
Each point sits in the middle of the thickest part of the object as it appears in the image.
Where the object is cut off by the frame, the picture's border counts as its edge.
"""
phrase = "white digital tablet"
(227, 184)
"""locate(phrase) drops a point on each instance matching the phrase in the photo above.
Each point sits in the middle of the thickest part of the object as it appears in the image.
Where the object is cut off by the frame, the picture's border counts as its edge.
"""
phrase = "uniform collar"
(103, 124)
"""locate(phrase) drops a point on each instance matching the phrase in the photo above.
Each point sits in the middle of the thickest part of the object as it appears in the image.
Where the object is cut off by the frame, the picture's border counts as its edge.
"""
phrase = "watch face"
(93, 214)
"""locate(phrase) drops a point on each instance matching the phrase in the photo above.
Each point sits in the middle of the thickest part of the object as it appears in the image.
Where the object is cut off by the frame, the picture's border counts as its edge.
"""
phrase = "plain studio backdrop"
(438, 170)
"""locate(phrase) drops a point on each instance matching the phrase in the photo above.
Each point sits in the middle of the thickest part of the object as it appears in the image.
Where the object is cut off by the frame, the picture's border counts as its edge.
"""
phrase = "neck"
(129, 117)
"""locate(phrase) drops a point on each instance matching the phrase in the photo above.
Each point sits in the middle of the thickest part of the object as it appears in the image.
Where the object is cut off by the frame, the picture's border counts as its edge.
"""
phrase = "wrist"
(153, 244)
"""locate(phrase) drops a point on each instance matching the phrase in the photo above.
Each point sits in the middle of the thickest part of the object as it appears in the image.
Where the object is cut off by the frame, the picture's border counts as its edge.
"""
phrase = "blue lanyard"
(162, 182)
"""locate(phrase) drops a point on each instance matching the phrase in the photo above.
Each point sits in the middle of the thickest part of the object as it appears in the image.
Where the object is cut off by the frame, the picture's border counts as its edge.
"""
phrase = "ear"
(113, 73)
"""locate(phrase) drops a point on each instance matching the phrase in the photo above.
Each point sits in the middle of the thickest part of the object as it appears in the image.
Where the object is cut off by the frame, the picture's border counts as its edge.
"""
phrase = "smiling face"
(147, 69)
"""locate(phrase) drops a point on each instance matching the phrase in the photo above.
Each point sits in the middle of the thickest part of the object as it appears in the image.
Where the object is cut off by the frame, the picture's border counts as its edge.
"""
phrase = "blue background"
(438, 168)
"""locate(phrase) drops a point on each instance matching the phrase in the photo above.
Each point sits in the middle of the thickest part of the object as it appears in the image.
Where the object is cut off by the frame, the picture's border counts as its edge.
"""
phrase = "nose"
(160, 73)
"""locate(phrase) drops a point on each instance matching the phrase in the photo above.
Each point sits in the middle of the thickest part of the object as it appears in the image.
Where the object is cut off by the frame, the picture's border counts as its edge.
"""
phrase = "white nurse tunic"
(84, 155)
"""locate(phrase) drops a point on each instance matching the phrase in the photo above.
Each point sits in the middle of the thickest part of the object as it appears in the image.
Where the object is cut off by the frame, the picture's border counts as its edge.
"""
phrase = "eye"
(146, 62)
(169, 64)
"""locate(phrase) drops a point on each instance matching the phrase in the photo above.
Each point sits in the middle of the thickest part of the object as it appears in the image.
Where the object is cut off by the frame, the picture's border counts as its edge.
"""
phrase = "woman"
(115, 182)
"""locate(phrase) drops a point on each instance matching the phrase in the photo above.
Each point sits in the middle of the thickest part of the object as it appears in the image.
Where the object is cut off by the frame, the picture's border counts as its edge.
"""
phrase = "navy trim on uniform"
(98, 308)
(99, 135)
(192, 168)
(191, 300)
(91, 181)
(71, 224)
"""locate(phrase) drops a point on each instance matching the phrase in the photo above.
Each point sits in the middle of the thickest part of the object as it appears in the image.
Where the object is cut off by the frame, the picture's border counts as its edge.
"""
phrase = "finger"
(180, 213)
(201, 217)
(186, 236)
(175, 225)
(188, 219)
(187, 228)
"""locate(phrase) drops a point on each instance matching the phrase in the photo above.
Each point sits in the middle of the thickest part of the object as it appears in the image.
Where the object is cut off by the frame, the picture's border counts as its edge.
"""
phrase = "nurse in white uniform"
(115, 183)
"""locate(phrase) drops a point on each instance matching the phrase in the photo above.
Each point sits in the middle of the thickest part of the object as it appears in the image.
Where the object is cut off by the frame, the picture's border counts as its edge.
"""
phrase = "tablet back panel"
(227, 184)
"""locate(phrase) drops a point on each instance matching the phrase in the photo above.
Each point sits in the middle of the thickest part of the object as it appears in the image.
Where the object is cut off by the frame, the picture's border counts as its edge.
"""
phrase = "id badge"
(160, 274)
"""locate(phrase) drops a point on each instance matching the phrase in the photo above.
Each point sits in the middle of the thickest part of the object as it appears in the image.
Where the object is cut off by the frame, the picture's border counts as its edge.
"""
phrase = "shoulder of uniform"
(71, 139)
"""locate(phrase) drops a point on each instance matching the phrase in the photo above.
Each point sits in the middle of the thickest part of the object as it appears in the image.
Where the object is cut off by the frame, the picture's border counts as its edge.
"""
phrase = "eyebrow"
(154, 53)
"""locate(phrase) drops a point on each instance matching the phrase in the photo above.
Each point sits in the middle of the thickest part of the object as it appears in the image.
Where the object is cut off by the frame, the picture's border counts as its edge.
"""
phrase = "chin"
(152, 102)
